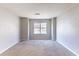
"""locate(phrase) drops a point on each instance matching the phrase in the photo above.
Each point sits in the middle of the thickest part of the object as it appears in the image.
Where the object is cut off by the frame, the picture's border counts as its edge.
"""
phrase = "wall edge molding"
(68, 48)
(8, 48)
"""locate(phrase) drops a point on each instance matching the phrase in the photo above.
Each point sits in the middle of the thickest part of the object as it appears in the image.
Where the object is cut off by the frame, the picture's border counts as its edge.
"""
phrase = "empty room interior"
(39, 29)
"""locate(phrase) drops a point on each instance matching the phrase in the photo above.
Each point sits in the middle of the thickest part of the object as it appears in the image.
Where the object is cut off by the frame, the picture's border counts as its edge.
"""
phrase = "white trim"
(68, 48)
(8, 48)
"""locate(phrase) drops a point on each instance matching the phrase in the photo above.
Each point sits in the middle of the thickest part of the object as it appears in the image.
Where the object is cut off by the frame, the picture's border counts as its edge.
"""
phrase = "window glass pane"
(43, 28)
(36, 28)
(43, 24)
(36, 25)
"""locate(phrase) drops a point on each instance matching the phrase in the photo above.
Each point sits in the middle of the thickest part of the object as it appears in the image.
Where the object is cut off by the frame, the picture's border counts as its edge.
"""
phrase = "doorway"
(39, 29)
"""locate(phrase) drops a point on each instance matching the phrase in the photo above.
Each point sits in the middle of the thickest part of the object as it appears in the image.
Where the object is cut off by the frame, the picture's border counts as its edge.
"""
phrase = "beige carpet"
(38, 48)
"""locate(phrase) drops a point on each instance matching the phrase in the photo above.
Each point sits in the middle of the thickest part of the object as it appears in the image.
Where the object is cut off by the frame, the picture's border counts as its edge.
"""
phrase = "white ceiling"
(46, 10)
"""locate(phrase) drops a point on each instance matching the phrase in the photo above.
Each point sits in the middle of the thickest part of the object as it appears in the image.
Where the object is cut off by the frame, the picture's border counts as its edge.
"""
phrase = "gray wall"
(68, 30)
(23, 29)
(51, 21)
(53, 28)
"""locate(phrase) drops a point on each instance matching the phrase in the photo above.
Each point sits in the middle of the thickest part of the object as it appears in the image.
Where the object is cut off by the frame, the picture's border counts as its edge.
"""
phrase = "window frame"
(41, 28)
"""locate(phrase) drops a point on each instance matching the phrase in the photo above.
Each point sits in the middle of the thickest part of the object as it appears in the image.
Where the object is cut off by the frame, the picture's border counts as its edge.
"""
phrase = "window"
(43, 28)
(36, 28)
(40, 28)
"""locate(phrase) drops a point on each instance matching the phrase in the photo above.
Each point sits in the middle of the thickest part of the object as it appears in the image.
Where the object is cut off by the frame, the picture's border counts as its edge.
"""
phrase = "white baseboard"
(68, 48)
(8, 47)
